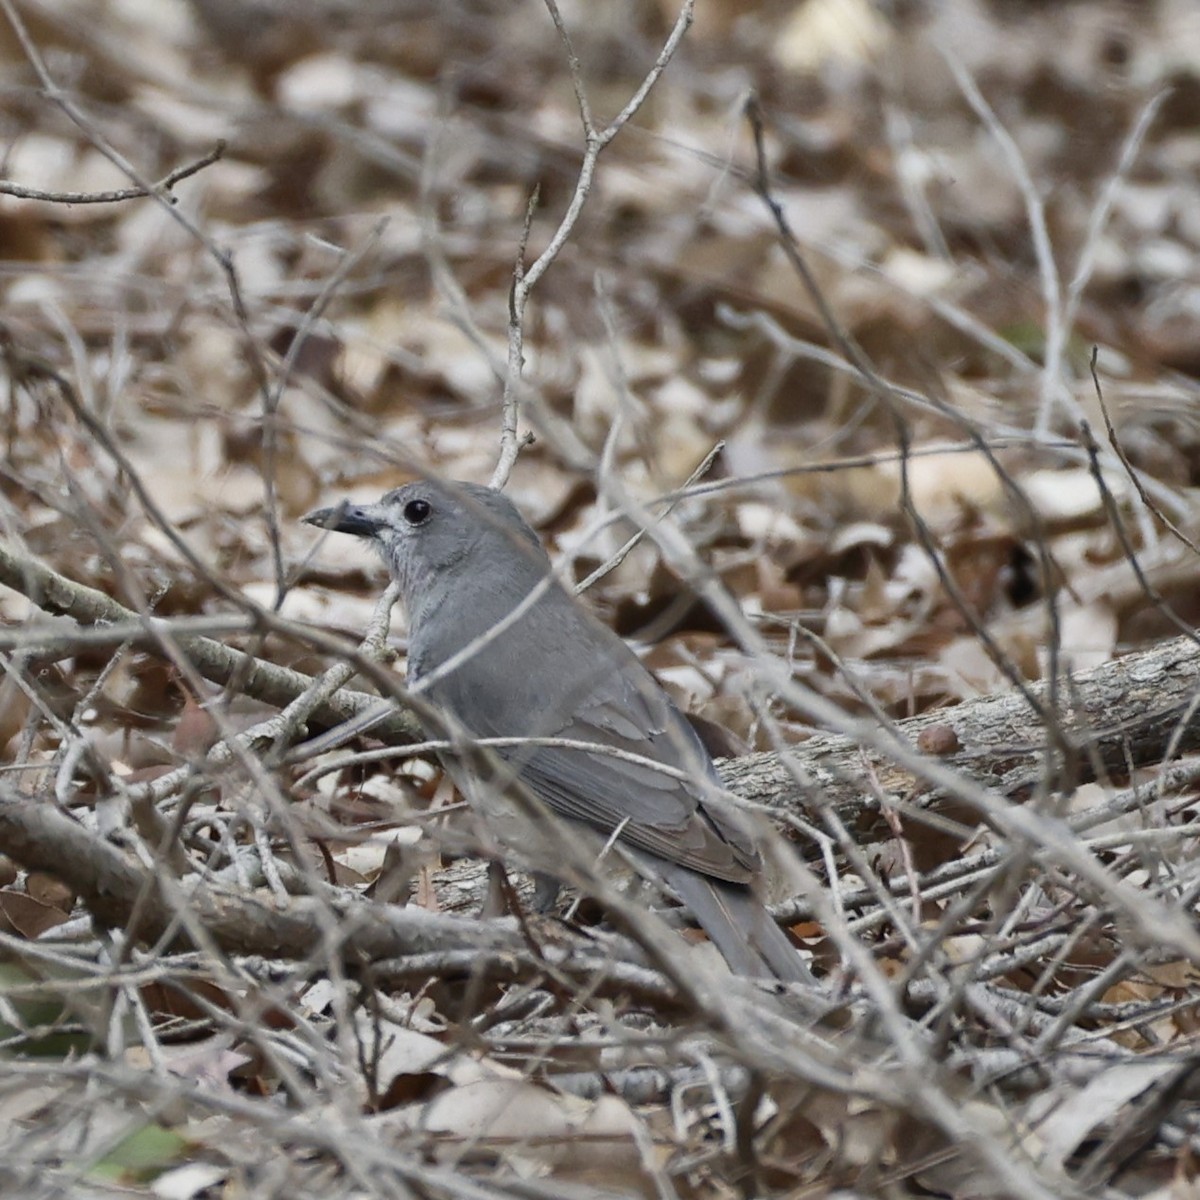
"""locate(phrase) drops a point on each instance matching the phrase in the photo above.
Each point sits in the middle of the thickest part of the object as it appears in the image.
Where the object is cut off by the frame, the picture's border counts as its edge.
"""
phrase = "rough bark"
(1132, 712)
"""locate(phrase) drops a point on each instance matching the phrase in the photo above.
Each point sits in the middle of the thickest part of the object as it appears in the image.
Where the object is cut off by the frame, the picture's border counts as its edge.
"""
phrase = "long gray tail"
(740, 927)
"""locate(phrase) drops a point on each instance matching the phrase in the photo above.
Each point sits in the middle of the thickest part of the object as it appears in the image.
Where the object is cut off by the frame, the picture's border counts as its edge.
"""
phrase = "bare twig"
(162, 188)
(525, 279)
(1053, 393)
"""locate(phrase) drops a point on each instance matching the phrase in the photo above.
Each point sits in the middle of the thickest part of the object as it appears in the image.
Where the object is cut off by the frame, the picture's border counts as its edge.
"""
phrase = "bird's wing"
(657, 812)
(586, 685)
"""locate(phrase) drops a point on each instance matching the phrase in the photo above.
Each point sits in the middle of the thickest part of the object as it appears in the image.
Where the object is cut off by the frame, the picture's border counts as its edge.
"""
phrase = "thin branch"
(218, 663)
(1053, 393)
(526, 279)
(162, 188)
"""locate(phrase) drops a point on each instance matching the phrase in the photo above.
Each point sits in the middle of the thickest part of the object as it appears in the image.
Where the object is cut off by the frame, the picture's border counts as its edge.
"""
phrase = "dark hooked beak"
(359, 519)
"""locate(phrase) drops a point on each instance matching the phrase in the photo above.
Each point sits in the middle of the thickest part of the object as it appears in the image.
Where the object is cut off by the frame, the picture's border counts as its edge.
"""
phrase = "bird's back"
(588, 687)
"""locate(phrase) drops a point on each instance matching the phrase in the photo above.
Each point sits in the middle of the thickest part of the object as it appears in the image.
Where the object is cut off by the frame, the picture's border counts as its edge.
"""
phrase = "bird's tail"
(739, 926)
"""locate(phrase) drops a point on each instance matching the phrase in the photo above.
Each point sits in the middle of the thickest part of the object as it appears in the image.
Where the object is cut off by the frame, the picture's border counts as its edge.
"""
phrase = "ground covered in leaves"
(879, 320)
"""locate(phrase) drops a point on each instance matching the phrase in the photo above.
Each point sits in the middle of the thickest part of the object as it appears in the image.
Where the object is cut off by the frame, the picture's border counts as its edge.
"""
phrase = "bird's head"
(427, 530)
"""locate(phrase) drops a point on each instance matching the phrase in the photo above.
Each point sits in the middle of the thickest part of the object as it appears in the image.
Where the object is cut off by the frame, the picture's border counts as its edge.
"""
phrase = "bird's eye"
(416, 512)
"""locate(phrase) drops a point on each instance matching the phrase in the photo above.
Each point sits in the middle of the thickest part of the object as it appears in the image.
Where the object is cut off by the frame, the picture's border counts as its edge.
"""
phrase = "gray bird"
(465, 559)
